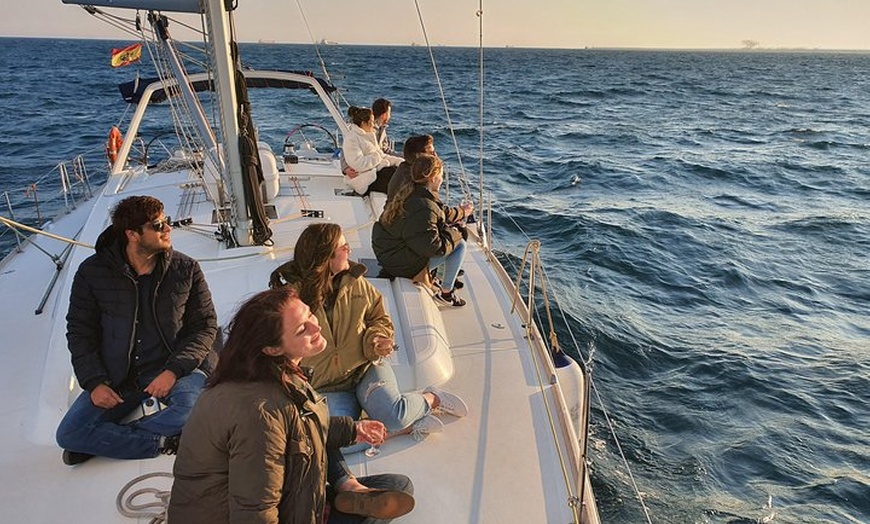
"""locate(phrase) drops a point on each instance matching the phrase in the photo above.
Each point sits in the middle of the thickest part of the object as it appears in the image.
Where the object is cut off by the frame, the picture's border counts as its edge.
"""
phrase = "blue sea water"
(704, 216)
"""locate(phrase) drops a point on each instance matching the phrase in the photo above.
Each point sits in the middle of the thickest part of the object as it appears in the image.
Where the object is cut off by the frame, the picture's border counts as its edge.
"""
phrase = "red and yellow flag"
(127, 55)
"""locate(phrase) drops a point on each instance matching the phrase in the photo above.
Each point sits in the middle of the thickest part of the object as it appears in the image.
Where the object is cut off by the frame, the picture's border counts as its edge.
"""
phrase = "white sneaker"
(448, 402)
(426, 425)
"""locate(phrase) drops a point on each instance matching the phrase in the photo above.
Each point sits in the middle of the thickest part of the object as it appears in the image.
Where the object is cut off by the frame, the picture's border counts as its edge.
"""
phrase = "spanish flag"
(127, 55)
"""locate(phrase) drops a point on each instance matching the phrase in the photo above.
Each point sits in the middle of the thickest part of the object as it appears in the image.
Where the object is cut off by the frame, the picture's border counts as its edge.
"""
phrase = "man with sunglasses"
(141, 328)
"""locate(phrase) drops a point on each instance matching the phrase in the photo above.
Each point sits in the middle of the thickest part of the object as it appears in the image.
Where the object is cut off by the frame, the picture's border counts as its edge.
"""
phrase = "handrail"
(26, 212)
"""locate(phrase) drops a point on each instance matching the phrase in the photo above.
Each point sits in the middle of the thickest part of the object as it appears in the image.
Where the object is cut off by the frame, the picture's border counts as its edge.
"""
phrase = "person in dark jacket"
(140, 328)
(260, 445)
(413, 235)
(414, 146)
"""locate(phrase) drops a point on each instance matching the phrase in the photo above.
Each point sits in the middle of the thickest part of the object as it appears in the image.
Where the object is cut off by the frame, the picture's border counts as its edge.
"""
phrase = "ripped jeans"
(378, 394)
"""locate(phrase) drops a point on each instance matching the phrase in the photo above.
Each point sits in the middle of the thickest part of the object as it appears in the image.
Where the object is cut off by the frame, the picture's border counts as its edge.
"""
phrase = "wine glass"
(465, 204)
(383, 358)
(374, 449)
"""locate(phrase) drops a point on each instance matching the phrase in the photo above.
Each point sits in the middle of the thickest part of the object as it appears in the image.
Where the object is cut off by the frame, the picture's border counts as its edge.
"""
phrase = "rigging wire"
(480, 89)
(463, 179)
(313, 41)
(339, 94)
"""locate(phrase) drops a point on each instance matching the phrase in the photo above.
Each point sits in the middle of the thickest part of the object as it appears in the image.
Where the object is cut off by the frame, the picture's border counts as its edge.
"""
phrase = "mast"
(219, 31)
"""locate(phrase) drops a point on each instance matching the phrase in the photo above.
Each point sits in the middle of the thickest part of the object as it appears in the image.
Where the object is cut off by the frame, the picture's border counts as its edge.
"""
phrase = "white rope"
(313, 41)
(17, 225)
(339, 95)
(532, 256)
(155, 510)
(480, 61)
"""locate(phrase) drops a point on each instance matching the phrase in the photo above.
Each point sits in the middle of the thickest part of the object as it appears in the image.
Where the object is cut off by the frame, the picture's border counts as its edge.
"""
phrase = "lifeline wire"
(607, 418)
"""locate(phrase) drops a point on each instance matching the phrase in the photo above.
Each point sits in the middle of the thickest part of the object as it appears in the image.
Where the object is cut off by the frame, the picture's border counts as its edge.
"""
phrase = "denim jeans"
(378, 394)
(389, 481)
(336, 468)
(89, 429)
(452, 264)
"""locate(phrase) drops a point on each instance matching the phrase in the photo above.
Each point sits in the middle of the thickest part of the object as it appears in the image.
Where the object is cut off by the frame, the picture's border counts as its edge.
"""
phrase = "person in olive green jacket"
(359, 334)
(260, 446)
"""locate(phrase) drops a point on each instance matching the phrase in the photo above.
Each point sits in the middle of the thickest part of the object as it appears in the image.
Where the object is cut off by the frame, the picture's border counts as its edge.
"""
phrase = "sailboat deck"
(485, 467)
(501, 463)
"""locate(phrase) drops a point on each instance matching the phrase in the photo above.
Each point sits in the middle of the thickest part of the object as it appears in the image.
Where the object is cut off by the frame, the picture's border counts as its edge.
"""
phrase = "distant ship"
(328, 42)
(262, 41)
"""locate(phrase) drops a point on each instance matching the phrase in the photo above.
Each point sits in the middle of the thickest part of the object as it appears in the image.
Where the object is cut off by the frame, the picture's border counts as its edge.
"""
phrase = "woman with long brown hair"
(413, 234)
(260, 444)
(359, 335)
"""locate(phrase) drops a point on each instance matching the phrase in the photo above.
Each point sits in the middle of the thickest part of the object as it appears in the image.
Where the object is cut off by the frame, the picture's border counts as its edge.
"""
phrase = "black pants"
(383, 181)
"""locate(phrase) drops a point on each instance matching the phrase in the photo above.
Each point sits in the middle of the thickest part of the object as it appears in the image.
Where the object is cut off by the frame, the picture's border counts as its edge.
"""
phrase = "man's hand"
(351, 172)
(105, 397)
(162, 383)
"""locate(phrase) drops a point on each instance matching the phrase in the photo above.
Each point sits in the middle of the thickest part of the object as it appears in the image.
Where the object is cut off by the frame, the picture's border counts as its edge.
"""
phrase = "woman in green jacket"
(260, 446)
(359, 335)
(413, 234)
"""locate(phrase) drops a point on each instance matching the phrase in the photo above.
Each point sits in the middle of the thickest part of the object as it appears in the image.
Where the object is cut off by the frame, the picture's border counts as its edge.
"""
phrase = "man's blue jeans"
(389, 481)
(89, 429)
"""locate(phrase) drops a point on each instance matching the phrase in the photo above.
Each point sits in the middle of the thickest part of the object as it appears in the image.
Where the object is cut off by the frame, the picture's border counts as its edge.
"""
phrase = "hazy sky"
(822, 24)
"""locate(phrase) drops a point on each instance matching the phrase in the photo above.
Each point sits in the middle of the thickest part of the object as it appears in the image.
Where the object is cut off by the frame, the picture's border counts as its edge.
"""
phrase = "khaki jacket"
(358, 316)
(255, 452)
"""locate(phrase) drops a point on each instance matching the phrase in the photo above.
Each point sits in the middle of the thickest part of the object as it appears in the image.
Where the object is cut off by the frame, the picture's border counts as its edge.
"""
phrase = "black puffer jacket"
(102, 315)
(404, 247)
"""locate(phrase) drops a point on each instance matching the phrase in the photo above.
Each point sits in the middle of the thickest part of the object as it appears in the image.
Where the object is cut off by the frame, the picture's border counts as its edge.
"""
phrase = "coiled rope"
(154, 510)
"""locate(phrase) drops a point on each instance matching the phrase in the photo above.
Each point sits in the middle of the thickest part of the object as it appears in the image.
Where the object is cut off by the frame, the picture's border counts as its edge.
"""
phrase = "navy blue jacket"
(103, 309)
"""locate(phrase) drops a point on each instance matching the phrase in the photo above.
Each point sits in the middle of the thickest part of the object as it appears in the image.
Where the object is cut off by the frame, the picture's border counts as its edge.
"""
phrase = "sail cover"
(132, 91)
(176, 6)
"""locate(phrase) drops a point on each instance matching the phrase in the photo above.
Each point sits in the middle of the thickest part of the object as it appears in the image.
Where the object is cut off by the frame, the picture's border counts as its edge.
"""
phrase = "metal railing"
(60, 190)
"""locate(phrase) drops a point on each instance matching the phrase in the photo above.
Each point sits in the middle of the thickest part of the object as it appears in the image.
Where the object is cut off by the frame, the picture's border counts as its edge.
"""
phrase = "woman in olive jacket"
(256, 445)
(358, 333)
(413, 234)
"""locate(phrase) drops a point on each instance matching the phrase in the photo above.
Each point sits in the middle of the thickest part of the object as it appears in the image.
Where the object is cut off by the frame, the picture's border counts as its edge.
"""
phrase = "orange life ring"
(113, 145)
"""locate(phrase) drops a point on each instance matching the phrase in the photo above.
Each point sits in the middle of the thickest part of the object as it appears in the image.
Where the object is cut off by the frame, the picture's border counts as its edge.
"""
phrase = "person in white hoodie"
(373, 168)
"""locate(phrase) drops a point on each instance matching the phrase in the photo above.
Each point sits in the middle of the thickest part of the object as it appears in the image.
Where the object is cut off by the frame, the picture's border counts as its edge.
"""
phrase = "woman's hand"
(383, 346)
(372, 432)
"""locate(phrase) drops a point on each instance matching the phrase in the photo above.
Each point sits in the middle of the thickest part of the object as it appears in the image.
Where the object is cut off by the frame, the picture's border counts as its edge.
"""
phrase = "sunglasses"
(160, 225)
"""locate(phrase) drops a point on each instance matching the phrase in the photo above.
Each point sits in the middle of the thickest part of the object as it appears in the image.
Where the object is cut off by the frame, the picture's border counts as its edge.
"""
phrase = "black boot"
(71, 458)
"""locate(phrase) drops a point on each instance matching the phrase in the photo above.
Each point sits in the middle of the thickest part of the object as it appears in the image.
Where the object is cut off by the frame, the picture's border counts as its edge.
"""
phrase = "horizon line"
(505, 46)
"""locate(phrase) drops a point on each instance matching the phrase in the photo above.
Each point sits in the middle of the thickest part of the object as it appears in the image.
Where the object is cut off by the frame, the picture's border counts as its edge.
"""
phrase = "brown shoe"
(377, 503)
